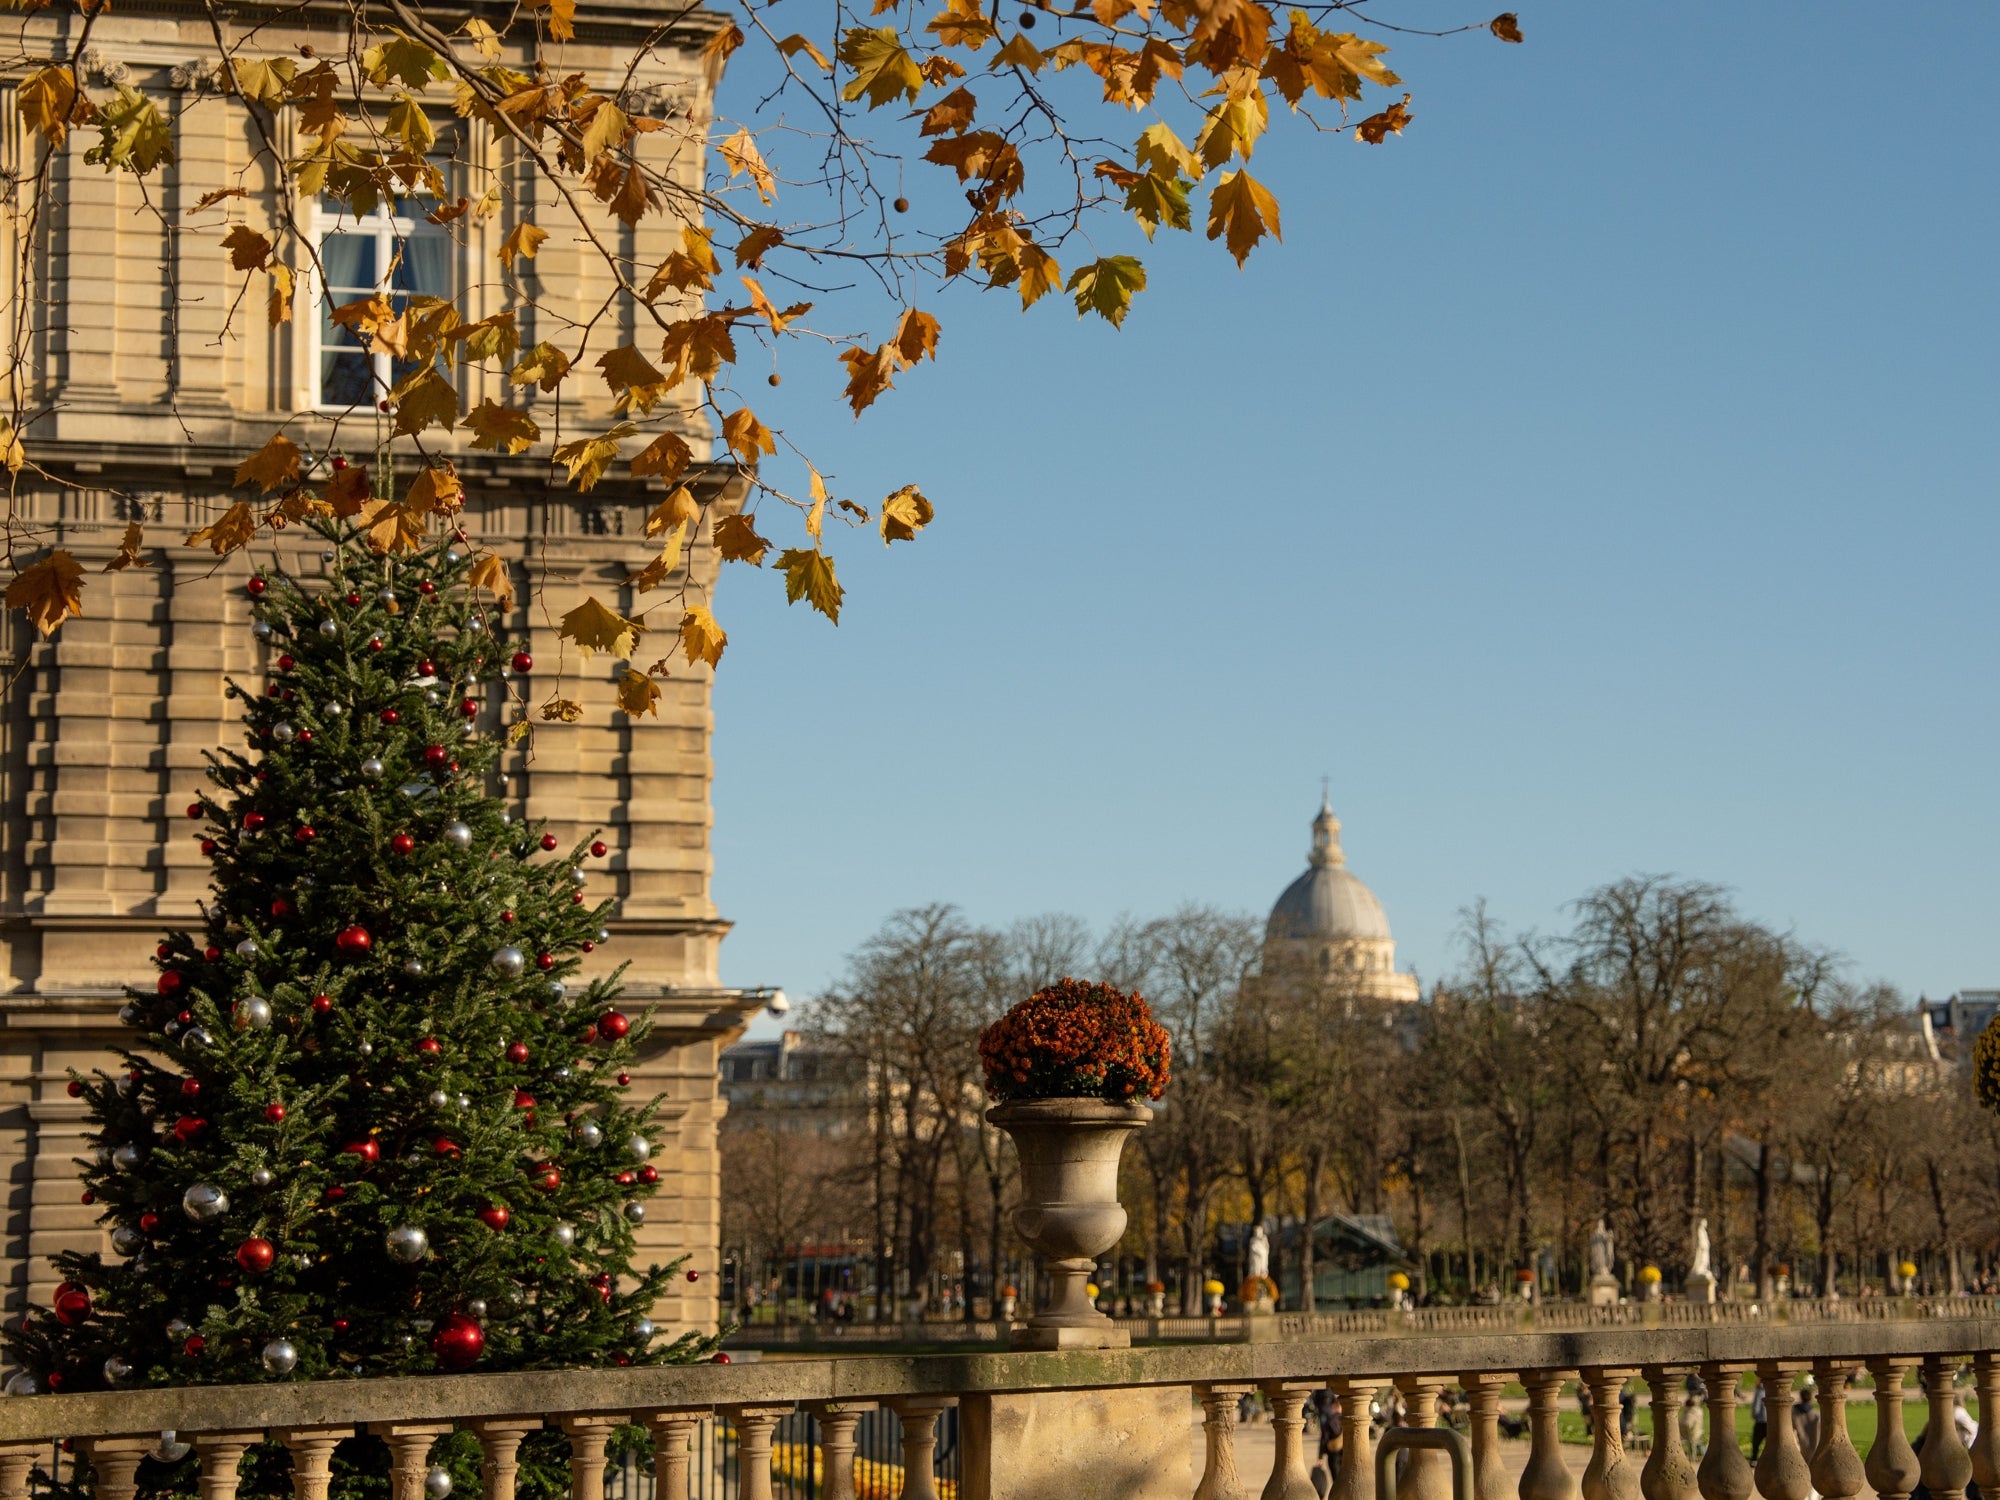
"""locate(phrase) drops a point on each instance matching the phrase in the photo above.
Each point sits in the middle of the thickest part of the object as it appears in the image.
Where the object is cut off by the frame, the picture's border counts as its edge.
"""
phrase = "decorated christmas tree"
(372, 1122)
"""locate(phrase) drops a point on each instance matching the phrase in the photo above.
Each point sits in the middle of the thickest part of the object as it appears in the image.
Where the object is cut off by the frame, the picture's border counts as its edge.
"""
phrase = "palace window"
(391, 251)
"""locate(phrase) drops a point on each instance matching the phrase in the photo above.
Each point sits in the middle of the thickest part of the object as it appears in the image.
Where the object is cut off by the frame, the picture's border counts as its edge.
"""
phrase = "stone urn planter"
(1069, 1213)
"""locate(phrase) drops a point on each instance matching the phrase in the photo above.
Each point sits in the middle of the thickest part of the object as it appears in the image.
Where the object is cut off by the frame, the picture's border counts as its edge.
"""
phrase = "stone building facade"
(142, 403)
(1327, 927)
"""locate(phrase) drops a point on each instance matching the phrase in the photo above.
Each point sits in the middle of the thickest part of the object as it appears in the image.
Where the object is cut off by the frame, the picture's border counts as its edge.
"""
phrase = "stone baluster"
(1668, 1473)
(1546, 1476)
(1836, 1467)
(1946, 1465)
(1892, 1468)
(115, 1461)
(1608, 1476)
(1781, 1468)
(221, 1459)
(837, 1421)
(17, 1462)
(312, 1460)
(500, 1453)
(1219, 1480)
(754, 1426)
(1290, 1478)
(1724, 1473)
(1356, 1479)
(587, 1437)
(673, 1436)
(1986, 1444)
(1426, 1472)
(409, 1454)
(1482, 1399)
(919, 1415)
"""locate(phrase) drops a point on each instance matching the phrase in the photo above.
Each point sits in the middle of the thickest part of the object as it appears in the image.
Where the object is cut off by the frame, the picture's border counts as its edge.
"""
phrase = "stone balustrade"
(1113, 1424)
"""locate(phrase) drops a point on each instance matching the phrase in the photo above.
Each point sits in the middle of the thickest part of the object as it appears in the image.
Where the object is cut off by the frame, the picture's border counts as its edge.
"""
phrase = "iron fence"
(797, 1466)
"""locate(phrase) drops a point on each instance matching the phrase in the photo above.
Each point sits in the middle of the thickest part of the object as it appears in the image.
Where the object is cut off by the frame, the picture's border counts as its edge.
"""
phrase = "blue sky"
(1598, 479)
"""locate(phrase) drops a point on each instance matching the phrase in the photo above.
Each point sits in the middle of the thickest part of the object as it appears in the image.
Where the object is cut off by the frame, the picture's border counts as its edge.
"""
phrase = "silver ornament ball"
(366, 1049)
(129, 1014)
(177, 1330)
(335, 710)
(170, 1449)
(580, 875)
(438, 1099)
(329, 629)
(453, 555)
(561, 1074)
(263, 1177)
(437, 1483)
(204, 1202)
(604, 934)
(326, 554)
(387, 596)
(557, 988)
(635, 1213)
(413, 966)
(262, 630)
(589, 1136)
(465, 1101)
(126, 1158)
(252, 1013)
(476, 1308)
(433, 697)
(372, 768)
(565, 1234)
(116, 1369)
(283, 733)
(407, 1243)
(643, 1329)
(280, 1358)
(510, 961)
(458, 835)
(639, 1147)
(476, 626)
(198, 1037)
(22, 1385)
(126, 1240)
(247, 948)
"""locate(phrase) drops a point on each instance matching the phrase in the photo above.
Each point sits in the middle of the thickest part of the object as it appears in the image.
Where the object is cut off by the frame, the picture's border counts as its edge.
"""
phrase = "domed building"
(1329, 924)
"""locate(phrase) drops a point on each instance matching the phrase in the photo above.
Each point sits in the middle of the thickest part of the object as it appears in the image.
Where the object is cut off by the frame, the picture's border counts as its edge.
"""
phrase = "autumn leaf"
(543, 366)
(47, 99)
(737, 540)
(274, 464)
(402, 60)
(608, 128)
(588, 458)
(236, 528)
(1019, 53)
(661, 569)
(746, 436)
(951, 114)
(793, 45)
(525, 239)
(596, 628)
(638, 694)
(1376, 128)
(632, 378)
(962, 23)
(1155, 200)
(501, 428)
(490, 338)
(436, 488)
(882, 68)
(49, 591)
(1039, 273)
(265, 81)
(1231, 128)
(392, 528)
(816, 517)
(348, 490)
(1106, 286)
(666, 456)
(904, 514)
(698, 347)
(1243, 209)
(214, 196)
(625, 190)
(716, 50)
(760, 304)
(691, 268)
(1506, 26)
(678, 509)
(133, 134)
(485, 40)
(279, 307)
(868, 373)
(916, 336)
(701, 638)
(127, 555)
(425, 398)
(248, 250)
(563, 710)
(1160, 151)
(562, 18)
(12, 455)
(409, 124)
(758, 243)
(490, 573)
(742, 157)
(809, 576)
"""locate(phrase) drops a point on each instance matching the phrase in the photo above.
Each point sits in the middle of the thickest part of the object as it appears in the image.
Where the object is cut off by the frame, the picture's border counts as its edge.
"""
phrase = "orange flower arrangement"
(1076, 1040)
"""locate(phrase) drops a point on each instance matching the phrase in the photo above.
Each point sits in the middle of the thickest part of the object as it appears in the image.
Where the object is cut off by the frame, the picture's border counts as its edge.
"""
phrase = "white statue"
(1701, 1266)
(1260, 1252)
(1602, 1250)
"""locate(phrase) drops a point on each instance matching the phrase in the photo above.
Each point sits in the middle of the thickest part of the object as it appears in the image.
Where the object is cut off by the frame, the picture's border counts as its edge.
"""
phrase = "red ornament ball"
(588, 946)
(517, 1052)
(549, 1181)
(339, 464)
(403, 843)
(548, 841)
(390, 716)
(196, 810)
(88, 1197)
(376, 643)
(281, 907)
(469, 707)
(256, 1255)
(255, 585)
(613, 1024)
(353, 941)
(576, 898)
(253, 821)
(457, 1341)
(444, 1145)
(429, 1046)
(507, 916)
(214, 955)
(305, 736)
(626, 1179)
(588, 1034)
(194, 1345)
(427, 588)
(335, 1194)
(600, 848)
(148, 1222)
(523, 1099)
(187, 1127)
(494, 1216)
(275, 1111)
(306, 834)
(427, 668)
(721, 1359)
(57, 1380)
(694, 1276)
(322, 1003)
(190, 1087)
(76, 1088)
(163, 951)
(170, 982)
(545, 960)
(435, 755)
(368, 1150)
(340, 1325)
(649, 1175)
(623, 1079)
(286, 663)
(72, 1306)
(207, 847)
(523, 662)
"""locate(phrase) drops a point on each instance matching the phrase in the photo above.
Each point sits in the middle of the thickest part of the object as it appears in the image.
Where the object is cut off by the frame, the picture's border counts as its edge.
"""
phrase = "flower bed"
(1075, 1040)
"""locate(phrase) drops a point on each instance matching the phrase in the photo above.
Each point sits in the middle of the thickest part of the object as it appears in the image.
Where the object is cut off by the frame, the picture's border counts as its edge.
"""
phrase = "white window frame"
(389, 227)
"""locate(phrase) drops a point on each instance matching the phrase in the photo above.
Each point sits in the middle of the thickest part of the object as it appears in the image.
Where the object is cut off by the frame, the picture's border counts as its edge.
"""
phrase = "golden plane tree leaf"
(562, 710)
(273, 465)
(953, 113)
(490, 573)
(916, 336)
(746, 436)
(904, 514)
(48, 100)
(882, 67)
(49, 591)
(278, 308)
(523, 240)
(737, 540)
(666, 456)
(698, 347)
(502, 428)
(1106, 287)
(424, 399)
(779, 319)
(490, 338)
(588, 458)
(632, 378)
(1241, 209)
(741, 156)
(127, 555)
(678, 509)
(758, 243)
(392, 528)
(235, 528)
(594, 627)
(544, 365)
(661, 569)
(437, 487)
(1506, 26)
(869, 373)
(701, 638)
(1377, 128)
(809, 576)
(248, 250)
(348, 490)
(793, 45)
(691, 268)
(638, 694)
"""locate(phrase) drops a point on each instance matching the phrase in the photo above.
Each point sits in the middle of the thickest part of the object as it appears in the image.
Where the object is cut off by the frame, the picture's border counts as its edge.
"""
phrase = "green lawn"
(1860, 1416)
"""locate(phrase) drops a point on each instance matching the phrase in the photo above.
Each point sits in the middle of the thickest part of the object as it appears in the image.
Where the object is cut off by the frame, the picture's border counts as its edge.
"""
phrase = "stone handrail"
(1108, 1423)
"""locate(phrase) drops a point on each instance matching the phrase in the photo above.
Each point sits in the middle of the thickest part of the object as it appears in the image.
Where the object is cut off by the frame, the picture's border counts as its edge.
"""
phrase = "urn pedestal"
(1070, 1213)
